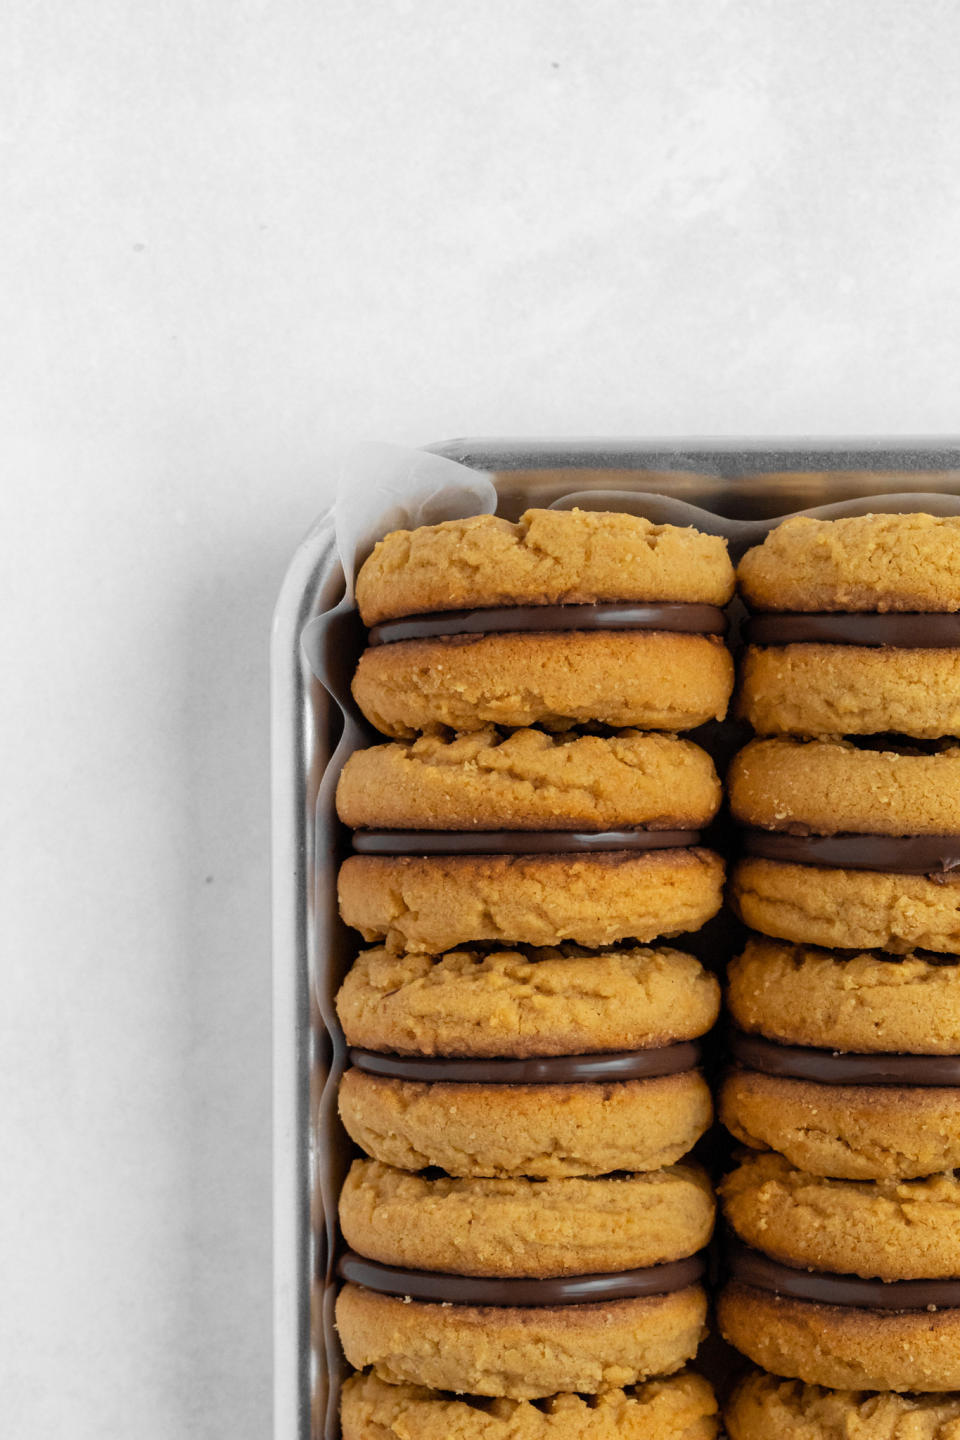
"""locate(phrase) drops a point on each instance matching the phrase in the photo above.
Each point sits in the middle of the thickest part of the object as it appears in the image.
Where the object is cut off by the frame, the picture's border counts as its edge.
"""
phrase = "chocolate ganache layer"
(749, 1267)
(679, 618)
(934, 855)
(837, 1067)
(545, 1070)
(900, 631)
(518, 842)
(568, 1290)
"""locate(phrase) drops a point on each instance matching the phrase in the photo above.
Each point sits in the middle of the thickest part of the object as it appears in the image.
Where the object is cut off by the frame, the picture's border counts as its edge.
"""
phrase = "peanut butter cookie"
(525, 1228)
(887, 1229)
(529, 780)
(522, 1353)
(432, 904)
(541, 1131)
(844, 1347)
(682, 1407)
(558, 680)
(862, 562)
(549, 557)
(763, 1406)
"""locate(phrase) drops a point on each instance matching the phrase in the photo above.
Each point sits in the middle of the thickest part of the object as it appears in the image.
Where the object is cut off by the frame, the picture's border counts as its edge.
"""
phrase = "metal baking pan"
(742, 485)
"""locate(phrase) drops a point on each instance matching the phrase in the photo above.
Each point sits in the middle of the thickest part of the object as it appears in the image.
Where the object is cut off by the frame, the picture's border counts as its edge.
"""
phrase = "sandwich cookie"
(529, 838)
(844, 1284)
(858, 631)
(480, 621)
(763, 1406)
(681, 1407)
(518, 1288)
(541, 1064)
(848, 1064)
(849, 847)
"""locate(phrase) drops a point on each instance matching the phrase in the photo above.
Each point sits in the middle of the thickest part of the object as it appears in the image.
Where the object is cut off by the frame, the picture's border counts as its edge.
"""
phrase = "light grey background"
(237, 237)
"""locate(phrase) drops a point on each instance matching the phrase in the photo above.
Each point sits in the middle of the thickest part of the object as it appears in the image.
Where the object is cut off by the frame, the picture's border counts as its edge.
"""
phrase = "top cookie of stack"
(564, 618)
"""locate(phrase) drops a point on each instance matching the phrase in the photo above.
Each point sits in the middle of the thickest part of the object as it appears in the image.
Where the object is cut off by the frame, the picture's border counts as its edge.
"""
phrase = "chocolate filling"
(934, 855)
(564, 1290)
(902, 632)
(837, 1067)
(751, 1268)
(679, 618)
(546, 1070)
(518, 842)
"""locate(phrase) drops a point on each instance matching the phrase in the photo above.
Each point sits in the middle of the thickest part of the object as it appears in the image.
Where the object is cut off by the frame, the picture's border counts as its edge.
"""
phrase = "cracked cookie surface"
(548, 557)
(682, 1407)
(863, 1001)
(849, 1132)
(434, 903)
(848, 909)
(515, 1004)
(530, 780)
(857, 563)
(763, 1406)
(885, 1229)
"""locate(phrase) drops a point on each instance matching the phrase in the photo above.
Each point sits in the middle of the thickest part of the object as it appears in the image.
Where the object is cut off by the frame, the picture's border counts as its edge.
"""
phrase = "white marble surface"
(239, 236)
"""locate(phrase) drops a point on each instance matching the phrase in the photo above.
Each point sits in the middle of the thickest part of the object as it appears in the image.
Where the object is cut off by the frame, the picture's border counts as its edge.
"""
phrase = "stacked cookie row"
(525, 1233)
(845, 1210)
